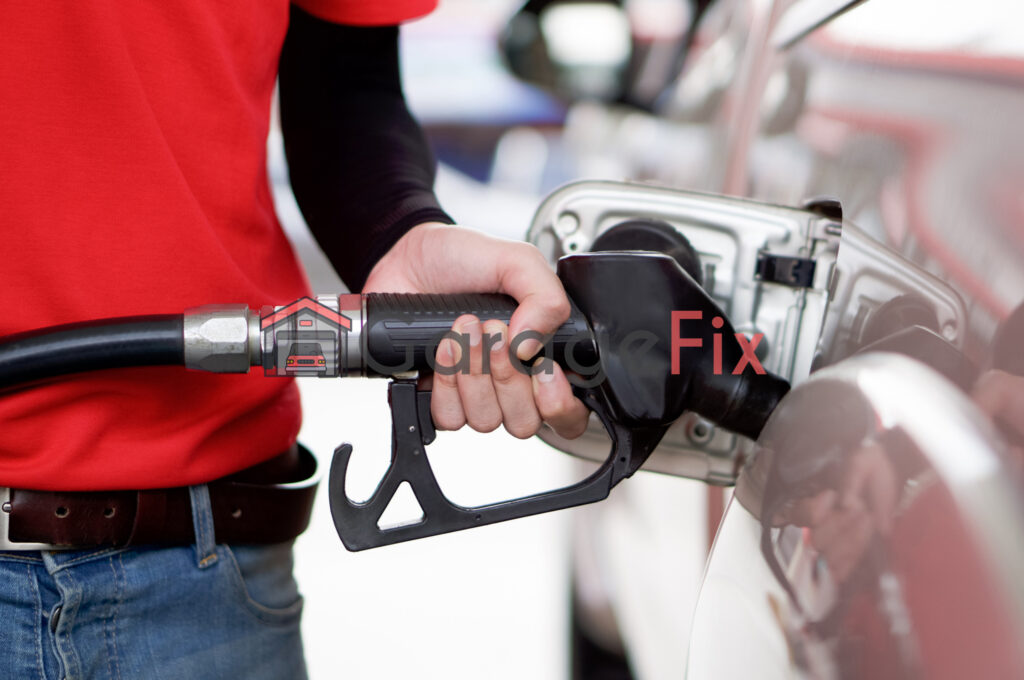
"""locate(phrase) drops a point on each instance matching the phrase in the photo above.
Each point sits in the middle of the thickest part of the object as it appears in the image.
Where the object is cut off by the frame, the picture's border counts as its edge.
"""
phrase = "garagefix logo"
(308, 338)
(585, 369)
(305, 338)
(748, 347)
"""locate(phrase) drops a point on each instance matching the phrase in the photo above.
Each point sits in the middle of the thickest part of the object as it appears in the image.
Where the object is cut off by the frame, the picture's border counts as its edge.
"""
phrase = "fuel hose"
(95, 345)
(379, 334)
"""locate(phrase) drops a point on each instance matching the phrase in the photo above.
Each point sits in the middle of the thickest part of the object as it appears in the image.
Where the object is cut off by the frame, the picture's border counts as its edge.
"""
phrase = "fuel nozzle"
(665, 347)
(661, 344)
(625, 315)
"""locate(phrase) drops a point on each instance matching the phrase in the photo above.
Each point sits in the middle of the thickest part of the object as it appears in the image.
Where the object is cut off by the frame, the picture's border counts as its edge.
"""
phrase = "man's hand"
(438, 258)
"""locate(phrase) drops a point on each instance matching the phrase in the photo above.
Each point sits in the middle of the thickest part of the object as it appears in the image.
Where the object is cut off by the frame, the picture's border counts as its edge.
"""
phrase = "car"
(874, 528)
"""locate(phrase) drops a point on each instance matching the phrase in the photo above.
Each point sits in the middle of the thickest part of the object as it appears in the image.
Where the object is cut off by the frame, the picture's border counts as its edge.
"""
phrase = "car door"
(876, 534)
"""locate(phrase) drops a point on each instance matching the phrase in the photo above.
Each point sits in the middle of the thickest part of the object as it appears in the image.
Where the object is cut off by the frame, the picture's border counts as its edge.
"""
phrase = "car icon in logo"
(305, 358)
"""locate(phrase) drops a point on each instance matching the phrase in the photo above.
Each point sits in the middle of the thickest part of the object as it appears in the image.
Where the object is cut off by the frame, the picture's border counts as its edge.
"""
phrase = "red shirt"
(133, 181)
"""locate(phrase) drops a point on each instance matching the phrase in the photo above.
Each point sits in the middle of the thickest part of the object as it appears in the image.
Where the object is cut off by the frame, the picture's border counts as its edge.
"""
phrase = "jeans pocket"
(263, 576)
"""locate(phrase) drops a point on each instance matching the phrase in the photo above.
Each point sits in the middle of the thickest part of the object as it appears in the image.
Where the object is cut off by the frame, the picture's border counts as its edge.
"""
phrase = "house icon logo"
(304, 338)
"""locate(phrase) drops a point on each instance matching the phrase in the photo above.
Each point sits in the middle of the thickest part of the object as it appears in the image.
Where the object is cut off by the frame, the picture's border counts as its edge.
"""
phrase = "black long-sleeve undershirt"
(361, 169)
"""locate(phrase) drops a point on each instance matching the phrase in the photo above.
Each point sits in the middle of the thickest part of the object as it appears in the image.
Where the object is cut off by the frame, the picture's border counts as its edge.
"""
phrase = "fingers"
(445, 405)
(555, 401)
(512, 387)
(479, 402)
(543, 305)
(478, 383)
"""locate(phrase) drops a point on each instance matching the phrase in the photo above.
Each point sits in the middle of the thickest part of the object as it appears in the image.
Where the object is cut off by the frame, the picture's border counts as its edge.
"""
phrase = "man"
(134, 182)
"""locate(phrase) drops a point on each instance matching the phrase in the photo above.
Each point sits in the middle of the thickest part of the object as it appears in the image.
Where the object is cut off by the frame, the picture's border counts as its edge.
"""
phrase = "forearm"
(360, 166)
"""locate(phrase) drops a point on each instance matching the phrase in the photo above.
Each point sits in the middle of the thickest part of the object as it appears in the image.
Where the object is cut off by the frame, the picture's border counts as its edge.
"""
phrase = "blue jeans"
(199, 612)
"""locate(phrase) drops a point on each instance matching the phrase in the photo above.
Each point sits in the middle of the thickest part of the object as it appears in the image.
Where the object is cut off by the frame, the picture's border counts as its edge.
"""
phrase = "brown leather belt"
(247, 509)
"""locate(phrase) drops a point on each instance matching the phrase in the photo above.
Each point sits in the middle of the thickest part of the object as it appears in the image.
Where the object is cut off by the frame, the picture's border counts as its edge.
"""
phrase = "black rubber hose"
(109, 343)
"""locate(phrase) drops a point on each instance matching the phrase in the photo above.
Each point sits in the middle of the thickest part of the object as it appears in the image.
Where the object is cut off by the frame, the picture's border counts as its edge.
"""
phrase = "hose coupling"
(221, 338)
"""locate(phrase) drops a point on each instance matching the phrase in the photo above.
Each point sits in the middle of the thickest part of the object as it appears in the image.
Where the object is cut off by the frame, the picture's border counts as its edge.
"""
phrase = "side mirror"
(579, 50)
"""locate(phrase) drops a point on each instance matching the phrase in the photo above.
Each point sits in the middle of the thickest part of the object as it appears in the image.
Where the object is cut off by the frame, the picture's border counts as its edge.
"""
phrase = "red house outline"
(306, 303)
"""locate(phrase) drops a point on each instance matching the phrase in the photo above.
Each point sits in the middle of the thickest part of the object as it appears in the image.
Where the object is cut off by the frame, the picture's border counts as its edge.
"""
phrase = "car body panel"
(917, 132)
(869, 538)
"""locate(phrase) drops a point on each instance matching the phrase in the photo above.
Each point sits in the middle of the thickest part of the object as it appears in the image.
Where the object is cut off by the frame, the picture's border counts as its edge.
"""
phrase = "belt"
(247, 509)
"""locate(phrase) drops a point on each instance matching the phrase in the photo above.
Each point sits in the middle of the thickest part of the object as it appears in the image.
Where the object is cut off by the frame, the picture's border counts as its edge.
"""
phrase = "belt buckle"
(6, 544)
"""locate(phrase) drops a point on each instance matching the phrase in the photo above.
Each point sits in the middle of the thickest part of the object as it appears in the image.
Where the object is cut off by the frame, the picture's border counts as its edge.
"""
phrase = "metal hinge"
(795, 272)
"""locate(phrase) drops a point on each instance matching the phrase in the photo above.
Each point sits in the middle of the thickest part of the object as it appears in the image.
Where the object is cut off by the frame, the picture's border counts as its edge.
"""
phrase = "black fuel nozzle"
(665, 347)
(625, 327)
(642, 331)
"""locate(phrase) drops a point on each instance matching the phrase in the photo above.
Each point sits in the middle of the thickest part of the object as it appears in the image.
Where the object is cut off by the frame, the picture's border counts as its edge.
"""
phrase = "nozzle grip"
(402, 331)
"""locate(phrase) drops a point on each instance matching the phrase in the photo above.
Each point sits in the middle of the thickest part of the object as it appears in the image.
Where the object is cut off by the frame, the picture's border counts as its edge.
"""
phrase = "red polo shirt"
(133, 181)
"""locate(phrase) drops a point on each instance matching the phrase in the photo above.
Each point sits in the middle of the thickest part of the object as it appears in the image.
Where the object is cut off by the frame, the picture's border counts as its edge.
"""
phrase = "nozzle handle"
(402, 331)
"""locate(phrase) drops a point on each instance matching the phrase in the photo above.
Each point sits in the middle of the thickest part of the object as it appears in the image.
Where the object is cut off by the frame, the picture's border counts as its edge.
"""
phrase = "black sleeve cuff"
(354, 264)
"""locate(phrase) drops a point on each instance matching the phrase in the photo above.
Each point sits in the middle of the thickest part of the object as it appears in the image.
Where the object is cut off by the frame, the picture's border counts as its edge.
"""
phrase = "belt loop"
(202, 524)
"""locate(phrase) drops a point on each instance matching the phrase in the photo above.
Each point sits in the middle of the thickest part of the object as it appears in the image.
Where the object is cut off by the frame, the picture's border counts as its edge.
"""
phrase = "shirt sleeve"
(360, 166)
(367, 12)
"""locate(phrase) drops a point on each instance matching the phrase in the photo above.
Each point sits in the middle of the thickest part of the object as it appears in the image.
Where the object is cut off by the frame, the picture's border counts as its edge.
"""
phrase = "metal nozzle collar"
(220, 339)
